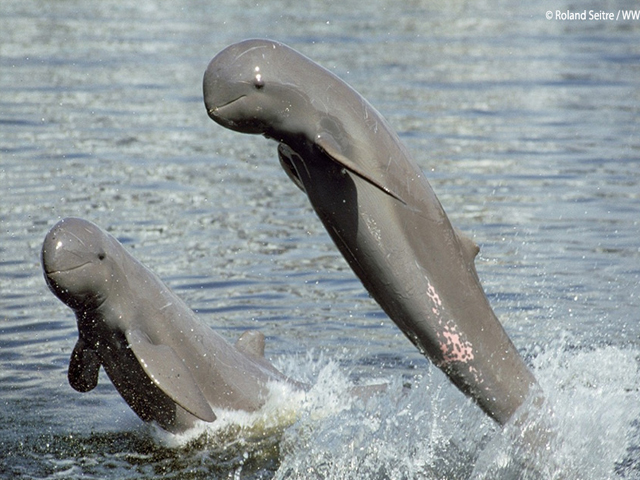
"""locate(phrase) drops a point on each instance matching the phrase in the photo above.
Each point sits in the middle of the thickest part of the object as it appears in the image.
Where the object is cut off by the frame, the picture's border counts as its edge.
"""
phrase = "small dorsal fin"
(84, 367)
(251, 342)
(470, 248)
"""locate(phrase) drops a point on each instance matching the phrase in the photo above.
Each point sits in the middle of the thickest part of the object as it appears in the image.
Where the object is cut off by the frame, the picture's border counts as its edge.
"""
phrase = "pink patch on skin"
(452, 346)
(454, 349)
(476, 375)
(435, 298)
(433, 295)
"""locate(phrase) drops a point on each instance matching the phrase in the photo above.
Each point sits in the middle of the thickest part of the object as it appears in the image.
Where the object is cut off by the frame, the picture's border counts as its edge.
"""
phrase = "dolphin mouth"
(238, 121)
(215, 111)
(66, 270)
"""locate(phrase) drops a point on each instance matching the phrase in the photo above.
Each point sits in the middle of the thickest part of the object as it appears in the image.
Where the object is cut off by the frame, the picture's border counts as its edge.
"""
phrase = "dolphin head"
(258, 86)
(79, 261)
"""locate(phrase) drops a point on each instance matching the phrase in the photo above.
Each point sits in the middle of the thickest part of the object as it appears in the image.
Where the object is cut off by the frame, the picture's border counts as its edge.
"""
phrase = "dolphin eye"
(258, 82)
(102, 256)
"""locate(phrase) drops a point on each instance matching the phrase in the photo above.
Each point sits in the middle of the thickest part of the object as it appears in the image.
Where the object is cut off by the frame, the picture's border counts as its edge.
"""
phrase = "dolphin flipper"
(330, 147)
(84, 367)
(167, 370)
(284, 155)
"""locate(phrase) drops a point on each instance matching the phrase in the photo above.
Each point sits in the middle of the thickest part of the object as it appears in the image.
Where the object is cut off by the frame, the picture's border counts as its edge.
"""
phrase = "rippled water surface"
(528, 130)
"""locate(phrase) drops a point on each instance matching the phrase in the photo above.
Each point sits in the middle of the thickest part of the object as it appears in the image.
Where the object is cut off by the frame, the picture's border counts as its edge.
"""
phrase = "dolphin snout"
(67, 246)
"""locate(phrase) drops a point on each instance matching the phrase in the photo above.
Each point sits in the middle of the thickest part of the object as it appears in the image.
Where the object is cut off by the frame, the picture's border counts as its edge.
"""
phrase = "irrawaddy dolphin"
(168, 366)
(378, 208)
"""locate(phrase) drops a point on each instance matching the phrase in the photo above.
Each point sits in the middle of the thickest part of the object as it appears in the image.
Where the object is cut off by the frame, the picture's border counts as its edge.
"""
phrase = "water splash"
(422, 428)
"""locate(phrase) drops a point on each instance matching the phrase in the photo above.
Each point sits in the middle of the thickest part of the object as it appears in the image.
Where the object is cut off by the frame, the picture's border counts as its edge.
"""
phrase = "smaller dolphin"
(167, 365)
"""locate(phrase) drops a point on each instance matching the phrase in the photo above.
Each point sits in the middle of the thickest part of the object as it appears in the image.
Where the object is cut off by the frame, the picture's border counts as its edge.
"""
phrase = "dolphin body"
(167, 365)
(378, 208)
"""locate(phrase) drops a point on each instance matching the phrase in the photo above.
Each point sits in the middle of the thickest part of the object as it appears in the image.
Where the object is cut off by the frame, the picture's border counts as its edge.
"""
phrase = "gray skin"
(378, 208)
(167, 365)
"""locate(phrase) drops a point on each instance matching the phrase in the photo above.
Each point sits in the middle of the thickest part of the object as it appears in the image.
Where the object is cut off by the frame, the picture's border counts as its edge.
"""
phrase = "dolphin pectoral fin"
(167, 370)
(284, 154)
(251, 342)
(329, 147)
(84, 367)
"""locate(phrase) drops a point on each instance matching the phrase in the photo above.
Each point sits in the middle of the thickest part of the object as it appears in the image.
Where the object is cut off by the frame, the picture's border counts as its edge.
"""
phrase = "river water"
(528, 130)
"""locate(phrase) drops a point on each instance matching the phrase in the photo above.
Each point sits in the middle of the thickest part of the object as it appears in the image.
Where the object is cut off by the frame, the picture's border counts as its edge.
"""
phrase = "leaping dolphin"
(167, 365)
(378, 208)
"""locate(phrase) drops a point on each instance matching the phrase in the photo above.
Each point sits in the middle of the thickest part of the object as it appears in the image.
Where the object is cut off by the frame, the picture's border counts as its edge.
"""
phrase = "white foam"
(584, 429)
